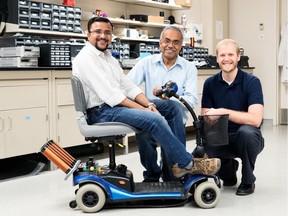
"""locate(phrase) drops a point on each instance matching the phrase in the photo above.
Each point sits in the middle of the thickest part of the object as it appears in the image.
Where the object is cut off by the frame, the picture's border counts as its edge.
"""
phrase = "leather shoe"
(245, 189)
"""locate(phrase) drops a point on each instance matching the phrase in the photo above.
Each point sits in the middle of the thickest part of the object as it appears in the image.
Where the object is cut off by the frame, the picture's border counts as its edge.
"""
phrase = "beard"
(101, 48)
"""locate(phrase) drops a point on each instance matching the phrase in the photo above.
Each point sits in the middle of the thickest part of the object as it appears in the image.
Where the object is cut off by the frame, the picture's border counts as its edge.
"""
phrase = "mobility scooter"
(112, 185)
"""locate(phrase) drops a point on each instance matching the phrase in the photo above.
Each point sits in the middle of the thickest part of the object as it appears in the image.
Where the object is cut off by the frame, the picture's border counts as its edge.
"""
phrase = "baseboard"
(284, 116)
(268, 121)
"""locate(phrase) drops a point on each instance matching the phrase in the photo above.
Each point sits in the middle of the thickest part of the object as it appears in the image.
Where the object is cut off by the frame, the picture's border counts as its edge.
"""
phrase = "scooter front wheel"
(90, 198)
(207, 195)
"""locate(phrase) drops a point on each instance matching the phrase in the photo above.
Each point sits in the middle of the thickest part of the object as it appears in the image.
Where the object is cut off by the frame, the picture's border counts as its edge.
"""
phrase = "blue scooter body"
(171, 190)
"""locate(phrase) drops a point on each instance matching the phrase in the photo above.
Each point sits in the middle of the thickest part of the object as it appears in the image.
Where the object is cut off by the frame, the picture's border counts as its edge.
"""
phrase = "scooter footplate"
(150, 187)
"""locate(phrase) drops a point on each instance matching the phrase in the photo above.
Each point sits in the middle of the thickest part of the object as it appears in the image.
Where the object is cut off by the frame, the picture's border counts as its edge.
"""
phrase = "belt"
(96, 107)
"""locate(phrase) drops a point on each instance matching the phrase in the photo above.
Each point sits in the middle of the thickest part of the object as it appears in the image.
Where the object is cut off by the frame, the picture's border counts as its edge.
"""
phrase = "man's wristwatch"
(150, 104)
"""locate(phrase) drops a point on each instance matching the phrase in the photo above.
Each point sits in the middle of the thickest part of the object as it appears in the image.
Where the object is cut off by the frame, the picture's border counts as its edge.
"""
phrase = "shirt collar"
(237, 79)
(98, 52)
(159, 60)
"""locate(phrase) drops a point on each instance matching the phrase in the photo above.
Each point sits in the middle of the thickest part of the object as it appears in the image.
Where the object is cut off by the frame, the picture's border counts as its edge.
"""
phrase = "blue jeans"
(172, 112)
(154, 124)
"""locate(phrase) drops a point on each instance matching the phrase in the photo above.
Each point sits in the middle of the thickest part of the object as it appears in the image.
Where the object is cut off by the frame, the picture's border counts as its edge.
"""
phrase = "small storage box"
(156, 19)
(185, 3)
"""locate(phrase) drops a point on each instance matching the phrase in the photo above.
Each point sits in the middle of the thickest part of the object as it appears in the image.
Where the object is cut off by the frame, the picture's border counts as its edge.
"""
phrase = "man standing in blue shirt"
(155, 71)
(239, 94)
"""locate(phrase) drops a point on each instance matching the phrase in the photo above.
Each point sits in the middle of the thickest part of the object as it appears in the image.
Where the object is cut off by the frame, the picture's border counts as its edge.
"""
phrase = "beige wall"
(207, 12)
(241, 20)
(283, 88)
(261, 46)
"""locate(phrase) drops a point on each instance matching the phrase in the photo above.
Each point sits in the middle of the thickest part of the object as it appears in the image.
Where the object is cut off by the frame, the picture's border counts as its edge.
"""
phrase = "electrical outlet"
(261, 37)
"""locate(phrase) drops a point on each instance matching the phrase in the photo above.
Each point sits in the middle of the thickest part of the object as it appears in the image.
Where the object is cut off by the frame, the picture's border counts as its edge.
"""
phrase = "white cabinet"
(24, 131)
(36, 106)
(24, 125)
(66, 130)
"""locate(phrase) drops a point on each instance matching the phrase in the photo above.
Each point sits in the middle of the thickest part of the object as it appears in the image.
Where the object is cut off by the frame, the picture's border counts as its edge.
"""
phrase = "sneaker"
(206, 166)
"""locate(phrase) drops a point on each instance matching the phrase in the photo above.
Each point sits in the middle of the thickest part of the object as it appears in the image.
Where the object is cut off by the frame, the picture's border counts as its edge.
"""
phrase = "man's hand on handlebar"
(158, 92)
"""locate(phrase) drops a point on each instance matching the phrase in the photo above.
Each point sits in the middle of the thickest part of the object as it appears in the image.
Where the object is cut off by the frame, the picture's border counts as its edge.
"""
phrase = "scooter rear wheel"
(207, 195)
(90, 198)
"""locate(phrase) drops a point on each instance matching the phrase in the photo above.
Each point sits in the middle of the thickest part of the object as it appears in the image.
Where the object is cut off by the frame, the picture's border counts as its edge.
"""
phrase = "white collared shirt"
(102, 77)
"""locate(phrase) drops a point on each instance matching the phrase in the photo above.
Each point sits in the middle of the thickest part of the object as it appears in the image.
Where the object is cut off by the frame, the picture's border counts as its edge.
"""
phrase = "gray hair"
(173, 27)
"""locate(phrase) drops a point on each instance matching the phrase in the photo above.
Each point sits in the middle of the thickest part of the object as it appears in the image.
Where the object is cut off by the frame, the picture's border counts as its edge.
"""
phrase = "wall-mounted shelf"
(14, 28)
(150, 3)
(136, 23)
(118, 21)
(138, 39)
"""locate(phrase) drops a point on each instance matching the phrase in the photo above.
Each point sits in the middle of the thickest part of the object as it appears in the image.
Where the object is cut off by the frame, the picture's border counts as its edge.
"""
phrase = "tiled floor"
(49, 194)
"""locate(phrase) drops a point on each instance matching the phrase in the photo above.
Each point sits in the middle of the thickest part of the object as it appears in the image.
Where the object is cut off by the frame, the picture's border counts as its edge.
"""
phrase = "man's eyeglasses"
(100, 32)
(167, 41)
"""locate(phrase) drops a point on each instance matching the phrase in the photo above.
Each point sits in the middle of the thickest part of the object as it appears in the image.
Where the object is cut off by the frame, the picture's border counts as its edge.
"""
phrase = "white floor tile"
(49, 194)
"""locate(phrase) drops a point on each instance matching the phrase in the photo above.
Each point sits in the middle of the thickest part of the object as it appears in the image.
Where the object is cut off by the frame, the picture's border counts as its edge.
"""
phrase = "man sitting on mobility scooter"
(112, 97)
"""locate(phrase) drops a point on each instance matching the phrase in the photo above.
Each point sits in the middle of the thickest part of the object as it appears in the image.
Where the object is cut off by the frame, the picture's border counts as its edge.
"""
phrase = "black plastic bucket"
(215, 129)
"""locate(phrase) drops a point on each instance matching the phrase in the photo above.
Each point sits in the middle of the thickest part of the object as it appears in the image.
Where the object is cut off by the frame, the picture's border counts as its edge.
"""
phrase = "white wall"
(193, 14)
(242, 24)
(283, 88)
(207, 12)
(261, 46)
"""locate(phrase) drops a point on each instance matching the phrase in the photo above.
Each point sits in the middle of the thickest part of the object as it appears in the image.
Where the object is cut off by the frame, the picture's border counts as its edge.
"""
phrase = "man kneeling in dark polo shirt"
(239, 94)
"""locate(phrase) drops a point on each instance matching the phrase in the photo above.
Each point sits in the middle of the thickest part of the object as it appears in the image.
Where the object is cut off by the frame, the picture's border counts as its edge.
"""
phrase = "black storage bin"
(215, 130)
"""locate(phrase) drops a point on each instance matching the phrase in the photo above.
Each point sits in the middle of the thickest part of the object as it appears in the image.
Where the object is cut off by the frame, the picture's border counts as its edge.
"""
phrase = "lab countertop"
(70, 68)
(33, 68)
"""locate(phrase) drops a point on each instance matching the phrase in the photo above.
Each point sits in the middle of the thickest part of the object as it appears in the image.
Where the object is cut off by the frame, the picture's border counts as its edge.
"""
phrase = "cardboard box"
(156, 19)
(185, 3)
(126, 32)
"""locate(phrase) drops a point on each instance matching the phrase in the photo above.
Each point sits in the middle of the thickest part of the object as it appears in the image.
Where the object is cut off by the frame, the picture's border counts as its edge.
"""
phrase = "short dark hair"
(98, 19)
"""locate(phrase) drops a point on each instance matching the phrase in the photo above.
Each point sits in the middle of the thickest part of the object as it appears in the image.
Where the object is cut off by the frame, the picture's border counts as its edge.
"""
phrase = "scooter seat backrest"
(78, 94)
(99, 129)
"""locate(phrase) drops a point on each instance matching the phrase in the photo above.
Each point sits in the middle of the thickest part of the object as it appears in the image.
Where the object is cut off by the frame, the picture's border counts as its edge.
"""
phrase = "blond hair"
(227, 41)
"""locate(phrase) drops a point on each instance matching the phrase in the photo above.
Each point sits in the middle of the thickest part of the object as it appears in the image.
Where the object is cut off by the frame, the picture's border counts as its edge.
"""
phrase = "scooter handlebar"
(170, 90)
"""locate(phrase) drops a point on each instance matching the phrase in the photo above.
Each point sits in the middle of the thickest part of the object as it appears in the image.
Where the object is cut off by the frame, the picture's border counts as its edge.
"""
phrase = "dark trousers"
(245, 144)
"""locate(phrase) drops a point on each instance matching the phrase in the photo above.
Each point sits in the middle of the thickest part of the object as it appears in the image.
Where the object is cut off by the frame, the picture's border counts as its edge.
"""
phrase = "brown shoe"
(206, 166)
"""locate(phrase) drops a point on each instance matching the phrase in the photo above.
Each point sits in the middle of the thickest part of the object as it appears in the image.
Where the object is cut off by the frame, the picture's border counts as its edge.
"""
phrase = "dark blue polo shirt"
(244, 91)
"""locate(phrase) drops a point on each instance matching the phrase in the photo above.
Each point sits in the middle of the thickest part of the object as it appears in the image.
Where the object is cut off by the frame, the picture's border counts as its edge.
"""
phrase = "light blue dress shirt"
(152, 71)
